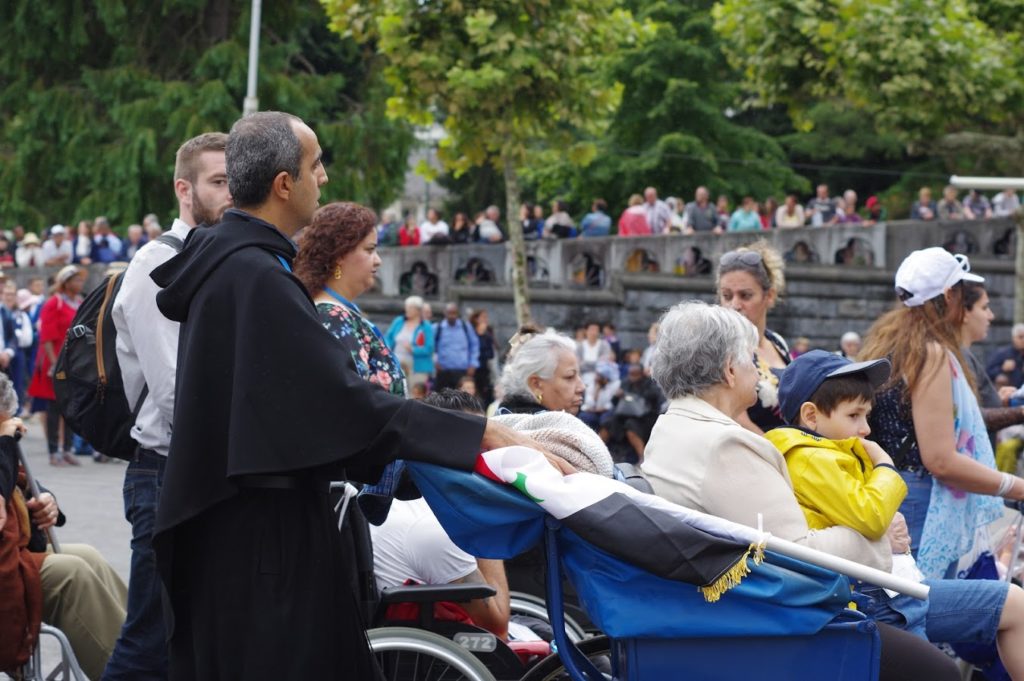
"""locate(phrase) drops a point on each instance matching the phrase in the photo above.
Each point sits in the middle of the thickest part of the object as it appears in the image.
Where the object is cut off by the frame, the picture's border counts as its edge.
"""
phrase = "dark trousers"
(53, 419)
(141, 650)
(448, 378)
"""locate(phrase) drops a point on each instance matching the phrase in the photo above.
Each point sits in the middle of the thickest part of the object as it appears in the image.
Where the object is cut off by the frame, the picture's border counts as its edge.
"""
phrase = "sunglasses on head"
(748, 258)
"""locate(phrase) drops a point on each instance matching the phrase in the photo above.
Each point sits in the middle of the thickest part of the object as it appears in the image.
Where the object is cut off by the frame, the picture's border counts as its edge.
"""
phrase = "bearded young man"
(147, 351)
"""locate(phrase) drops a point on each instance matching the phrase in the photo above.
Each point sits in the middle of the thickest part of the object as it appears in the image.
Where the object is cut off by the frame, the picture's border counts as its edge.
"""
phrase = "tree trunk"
(516, 244)
(1018, 284)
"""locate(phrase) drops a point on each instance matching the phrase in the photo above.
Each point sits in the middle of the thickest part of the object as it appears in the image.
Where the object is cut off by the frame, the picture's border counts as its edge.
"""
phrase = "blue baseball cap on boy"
(806, 373)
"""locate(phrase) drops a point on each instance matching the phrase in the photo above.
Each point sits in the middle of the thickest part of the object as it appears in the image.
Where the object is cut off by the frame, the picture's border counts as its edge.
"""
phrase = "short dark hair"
(834, 391)
(601, 205)
(454, 400)
(260, 146)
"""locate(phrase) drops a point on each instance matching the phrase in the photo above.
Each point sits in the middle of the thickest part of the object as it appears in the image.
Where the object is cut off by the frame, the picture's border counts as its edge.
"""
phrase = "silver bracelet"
(1005, 485)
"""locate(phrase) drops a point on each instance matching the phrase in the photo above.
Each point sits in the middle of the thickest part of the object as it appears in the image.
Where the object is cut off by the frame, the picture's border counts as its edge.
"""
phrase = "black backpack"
(87, 376)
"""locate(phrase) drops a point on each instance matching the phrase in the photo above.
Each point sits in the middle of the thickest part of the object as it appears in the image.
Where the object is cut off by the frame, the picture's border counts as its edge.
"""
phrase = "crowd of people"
(288, 385)
(92, 241)
(647, 214)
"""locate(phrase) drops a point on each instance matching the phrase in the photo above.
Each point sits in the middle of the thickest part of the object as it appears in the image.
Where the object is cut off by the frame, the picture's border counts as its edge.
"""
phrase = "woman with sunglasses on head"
(750, 281)
(927, 415)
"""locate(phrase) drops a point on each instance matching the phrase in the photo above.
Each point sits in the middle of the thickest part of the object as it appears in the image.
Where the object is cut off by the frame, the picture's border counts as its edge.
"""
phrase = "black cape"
(255, 578)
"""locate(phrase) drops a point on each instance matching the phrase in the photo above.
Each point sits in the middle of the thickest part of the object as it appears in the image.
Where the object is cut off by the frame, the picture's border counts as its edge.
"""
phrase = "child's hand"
(875, 452)
(899, 536)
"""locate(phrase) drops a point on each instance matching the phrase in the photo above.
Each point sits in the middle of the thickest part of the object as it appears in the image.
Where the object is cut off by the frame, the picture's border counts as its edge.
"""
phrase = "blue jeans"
(957, 610)
(141, 650)
(915, 509)
(915, 506)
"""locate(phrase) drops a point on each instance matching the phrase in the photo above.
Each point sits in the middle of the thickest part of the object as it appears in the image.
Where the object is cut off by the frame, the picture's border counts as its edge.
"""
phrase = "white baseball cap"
(927, 273)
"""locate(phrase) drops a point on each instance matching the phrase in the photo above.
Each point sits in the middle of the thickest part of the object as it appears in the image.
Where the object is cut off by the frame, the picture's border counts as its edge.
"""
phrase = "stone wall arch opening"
(961, 242)
(641, 260)
(475, 271)
(857, 252)
(586, 271)
(418, 280)
(802, 253)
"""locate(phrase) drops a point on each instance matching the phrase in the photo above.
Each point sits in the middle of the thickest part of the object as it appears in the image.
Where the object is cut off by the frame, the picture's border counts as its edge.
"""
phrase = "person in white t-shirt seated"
(434, 229)
(412, 545)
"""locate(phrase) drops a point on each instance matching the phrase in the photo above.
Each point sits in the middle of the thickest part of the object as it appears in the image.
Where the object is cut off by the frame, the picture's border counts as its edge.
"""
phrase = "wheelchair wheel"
(527, 604)
(597, 649)
(406, 654)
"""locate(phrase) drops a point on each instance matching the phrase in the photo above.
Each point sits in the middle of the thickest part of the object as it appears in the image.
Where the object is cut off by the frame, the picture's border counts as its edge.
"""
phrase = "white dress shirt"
(428, 230)
(147, 344)
(51, 250)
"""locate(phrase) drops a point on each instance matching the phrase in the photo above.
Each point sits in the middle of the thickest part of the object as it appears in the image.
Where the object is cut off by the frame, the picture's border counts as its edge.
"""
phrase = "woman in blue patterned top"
(337, 262)
(927, 417)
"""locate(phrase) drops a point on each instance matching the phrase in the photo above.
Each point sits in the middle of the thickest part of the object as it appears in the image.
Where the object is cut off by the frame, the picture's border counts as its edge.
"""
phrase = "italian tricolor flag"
(665, 539)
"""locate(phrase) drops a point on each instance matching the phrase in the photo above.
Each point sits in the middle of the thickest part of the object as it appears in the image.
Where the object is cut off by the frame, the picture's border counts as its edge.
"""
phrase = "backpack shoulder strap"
(172, 241)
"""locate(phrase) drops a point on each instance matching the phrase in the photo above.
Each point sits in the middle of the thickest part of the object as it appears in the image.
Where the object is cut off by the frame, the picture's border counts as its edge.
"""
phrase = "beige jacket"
(700, 458)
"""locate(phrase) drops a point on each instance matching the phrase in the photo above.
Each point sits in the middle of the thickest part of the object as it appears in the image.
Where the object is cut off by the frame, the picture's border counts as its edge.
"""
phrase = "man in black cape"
(268, 409)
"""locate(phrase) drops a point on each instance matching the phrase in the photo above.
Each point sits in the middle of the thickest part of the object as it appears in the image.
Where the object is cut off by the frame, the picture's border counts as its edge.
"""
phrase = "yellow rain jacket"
(836, 483)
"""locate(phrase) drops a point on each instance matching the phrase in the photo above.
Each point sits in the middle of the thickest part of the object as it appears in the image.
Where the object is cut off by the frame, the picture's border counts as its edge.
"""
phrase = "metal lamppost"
(252, 102)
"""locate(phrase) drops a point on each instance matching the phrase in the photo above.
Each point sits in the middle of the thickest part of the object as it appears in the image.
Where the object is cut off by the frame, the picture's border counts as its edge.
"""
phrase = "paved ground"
(89, 495)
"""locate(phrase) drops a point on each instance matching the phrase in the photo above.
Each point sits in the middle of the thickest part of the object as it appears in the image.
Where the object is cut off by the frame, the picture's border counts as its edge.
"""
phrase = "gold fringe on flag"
(735, 574)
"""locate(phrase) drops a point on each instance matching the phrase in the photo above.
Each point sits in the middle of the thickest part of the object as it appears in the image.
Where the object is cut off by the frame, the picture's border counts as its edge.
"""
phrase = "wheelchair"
(418, 646)
(67, 668)
(785, 620)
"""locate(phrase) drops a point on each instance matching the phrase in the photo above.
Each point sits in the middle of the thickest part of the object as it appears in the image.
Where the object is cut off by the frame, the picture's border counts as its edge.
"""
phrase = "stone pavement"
(90, 496)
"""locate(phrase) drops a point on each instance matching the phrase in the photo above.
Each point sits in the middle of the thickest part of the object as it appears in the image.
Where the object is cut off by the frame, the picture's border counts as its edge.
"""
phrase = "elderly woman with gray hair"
(700, 457)
(411, 338)
(542, 374)
(75, 590)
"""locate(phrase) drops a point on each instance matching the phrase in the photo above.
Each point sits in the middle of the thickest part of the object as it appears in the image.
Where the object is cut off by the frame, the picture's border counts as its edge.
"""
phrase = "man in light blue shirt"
(458, 348)
(745, 218)
(596, 222)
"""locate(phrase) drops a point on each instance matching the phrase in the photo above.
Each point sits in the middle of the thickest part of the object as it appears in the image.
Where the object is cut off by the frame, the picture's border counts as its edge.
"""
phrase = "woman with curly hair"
(337, 262)
(750, 281)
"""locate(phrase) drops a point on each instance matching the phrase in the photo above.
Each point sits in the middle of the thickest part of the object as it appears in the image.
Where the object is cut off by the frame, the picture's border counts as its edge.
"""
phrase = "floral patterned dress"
(374, 360)
(376, 363)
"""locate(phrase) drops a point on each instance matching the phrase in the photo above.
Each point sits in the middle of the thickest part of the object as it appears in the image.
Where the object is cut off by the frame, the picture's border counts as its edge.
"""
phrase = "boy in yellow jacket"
(839, 478)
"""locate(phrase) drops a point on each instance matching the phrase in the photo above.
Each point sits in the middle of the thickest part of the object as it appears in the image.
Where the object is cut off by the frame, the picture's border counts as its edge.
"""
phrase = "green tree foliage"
(97, 96)
(501, 75)
(676, 127)
(921, 69)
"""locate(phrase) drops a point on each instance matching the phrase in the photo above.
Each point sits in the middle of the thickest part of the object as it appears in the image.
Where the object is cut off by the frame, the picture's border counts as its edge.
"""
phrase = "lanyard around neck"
(342, 299)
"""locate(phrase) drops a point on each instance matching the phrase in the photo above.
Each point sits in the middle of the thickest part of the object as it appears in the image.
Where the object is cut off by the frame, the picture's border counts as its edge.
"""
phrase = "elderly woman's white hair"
(695, 343)
(414, 301)
(535, 354)
(8, 398)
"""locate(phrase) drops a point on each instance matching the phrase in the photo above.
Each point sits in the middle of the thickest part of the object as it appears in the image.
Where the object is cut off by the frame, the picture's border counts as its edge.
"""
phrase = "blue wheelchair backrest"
(781, 596)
